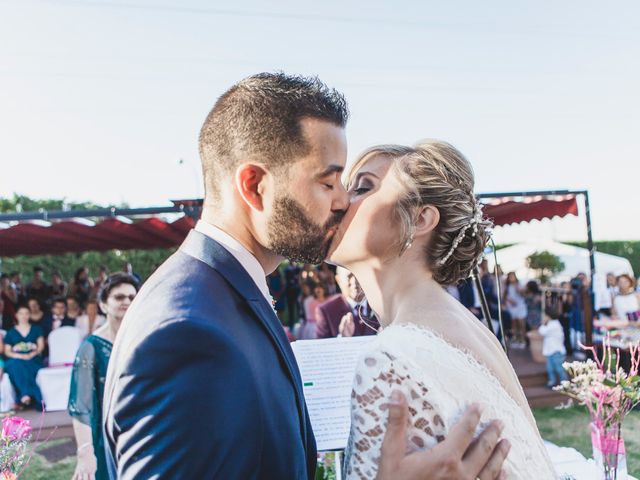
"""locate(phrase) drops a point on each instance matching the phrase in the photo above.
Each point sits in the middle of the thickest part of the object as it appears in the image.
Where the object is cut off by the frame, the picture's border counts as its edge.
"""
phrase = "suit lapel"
(217, 257)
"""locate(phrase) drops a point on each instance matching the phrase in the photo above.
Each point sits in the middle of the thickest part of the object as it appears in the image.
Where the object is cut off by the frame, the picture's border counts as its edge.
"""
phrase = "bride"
(414, 227)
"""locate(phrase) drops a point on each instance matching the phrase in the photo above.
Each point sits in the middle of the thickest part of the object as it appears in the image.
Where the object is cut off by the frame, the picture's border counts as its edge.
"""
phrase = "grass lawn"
(570, 428)
(40, 468)
(566, 428)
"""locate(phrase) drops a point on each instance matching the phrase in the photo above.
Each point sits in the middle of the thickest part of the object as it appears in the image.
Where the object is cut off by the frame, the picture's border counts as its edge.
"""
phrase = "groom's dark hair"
(259, 119)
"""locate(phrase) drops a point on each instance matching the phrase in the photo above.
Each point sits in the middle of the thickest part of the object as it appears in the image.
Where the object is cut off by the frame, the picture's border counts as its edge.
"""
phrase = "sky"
(102, 101)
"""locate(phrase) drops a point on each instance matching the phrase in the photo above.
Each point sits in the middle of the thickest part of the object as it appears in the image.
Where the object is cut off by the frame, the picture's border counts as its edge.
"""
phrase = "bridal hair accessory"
(474, 224)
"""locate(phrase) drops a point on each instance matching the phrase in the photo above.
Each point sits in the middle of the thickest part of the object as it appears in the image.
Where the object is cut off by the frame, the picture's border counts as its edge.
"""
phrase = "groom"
(202, 382)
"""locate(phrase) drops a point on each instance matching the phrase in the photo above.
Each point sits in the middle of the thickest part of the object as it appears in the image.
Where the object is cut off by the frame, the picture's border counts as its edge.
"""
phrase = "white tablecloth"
(568, 461)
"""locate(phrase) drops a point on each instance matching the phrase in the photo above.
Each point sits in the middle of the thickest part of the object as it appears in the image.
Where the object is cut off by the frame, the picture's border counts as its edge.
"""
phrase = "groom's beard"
(294, 236)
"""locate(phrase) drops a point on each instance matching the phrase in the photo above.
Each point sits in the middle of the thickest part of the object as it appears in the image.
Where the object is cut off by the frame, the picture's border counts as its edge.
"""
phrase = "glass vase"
(608, 451)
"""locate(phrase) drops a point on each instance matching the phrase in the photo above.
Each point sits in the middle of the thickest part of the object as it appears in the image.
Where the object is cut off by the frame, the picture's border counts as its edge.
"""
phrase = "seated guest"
(38, 288)
(81, 286)
(58, 285)
(347, 314)
(98, 282)
(74, 308)
(9, 297)
(23, 347)
(92, 319)
(38, 317)
(59, 315)
(16, 283)
(89, 372)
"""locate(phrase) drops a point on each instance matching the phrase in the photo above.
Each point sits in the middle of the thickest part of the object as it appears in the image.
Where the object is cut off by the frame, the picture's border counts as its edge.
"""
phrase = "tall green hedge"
(629, 249)
(143, 262)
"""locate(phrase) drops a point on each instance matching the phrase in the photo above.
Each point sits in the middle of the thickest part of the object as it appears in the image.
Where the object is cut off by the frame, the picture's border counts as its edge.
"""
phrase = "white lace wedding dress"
(440, 381)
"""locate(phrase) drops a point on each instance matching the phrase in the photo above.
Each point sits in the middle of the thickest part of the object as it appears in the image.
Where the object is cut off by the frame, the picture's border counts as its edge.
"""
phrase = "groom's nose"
(341, 198)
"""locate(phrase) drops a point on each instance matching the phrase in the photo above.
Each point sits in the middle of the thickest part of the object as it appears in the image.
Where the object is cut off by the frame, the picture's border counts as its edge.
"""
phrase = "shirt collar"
(235, 248)
(353, 304)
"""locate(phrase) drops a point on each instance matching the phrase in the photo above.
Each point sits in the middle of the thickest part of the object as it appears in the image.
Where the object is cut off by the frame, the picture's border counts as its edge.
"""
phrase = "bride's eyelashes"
(362, 187)
(361, 190)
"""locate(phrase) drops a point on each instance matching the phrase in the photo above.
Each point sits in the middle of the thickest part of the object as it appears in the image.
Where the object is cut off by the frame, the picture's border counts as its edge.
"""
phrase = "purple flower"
(15, 428)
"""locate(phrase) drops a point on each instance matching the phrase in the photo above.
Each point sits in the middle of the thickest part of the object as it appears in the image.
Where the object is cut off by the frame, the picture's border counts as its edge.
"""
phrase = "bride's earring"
(407, 244)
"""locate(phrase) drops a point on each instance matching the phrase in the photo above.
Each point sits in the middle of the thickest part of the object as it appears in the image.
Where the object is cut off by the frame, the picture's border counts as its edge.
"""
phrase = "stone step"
(539, 380)
(544, 397)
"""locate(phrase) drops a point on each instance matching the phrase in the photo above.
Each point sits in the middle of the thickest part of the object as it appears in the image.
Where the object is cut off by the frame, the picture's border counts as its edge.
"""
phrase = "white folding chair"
(55, 380)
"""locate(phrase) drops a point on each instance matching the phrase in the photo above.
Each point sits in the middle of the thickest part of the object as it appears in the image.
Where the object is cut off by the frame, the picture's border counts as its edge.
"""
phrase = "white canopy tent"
(575, 259)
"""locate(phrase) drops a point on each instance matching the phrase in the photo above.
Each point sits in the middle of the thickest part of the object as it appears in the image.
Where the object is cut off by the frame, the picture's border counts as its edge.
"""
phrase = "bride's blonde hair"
(435, 173)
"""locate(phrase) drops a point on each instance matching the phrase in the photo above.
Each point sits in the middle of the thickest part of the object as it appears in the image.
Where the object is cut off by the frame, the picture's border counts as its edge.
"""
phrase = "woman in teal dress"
(89, 372)
(23, 347)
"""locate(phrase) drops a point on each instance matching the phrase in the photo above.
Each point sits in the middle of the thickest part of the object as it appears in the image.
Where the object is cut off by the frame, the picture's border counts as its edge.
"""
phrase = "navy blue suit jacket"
(202, 382)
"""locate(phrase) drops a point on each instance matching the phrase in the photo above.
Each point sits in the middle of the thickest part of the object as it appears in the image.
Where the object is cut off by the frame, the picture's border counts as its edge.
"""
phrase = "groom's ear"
(426, 221)
(252, 182)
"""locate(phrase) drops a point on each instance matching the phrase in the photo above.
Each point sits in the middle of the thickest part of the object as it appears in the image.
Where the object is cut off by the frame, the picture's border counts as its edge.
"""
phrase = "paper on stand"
(327, 367)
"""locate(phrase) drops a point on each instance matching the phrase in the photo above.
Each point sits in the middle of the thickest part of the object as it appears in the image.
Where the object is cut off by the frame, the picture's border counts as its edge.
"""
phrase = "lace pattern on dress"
(439, 381)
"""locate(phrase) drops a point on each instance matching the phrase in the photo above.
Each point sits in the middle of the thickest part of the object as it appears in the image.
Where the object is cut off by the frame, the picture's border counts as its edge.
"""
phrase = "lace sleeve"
(377, 375)
(83, 389)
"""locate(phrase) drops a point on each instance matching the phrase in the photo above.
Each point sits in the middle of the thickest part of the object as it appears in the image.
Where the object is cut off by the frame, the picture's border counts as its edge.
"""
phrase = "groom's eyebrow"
(330, 170)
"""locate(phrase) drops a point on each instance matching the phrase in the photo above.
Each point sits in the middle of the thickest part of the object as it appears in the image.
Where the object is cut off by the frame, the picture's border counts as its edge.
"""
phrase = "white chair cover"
(7, 394)
(55, 381)
(63, 345)
(54, 384)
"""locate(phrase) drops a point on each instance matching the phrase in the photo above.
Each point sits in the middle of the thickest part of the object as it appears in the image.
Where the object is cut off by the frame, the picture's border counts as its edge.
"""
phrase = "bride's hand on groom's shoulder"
(459, 456)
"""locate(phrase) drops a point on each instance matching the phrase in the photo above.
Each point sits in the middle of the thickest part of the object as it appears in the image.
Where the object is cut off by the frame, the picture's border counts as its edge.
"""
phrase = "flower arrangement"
(326, 467)
(14, 441)
(609, 393)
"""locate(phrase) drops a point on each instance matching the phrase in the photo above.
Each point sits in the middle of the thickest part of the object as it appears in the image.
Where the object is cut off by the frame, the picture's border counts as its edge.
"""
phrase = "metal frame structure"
(592, 264)
(193, 208)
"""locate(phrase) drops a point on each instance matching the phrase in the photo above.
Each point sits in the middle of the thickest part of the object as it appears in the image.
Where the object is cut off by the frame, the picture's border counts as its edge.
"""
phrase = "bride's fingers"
(462, 433)
(482, 449)
(493, 469)
(394, 442)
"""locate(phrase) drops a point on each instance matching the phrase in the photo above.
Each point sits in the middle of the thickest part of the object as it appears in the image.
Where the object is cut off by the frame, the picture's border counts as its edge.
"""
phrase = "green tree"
(546, 263)
(23, 203)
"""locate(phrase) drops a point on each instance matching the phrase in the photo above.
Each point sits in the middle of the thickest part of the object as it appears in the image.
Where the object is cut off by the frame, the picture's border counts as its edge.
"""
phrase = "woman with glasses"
(89, 372)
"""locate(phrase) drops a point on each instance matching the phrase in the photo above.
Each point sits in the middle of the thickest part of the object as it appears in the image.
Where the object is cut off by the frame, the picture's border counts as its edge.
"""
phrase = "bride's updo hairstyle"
(437, 174)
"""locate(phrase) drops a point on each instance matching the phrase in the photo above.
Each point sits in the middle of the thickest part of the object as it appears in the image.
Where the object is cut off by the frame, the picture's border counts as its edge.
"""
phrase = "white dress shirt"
(553, 338)
(357, 307)
(240, 253)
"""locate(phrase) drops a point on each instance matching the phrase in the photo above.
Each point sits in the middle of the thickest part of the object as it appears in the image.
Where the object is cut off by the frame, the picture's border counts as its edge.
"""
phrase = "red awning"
(77, 235)
(40, 238)
(508, 210)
